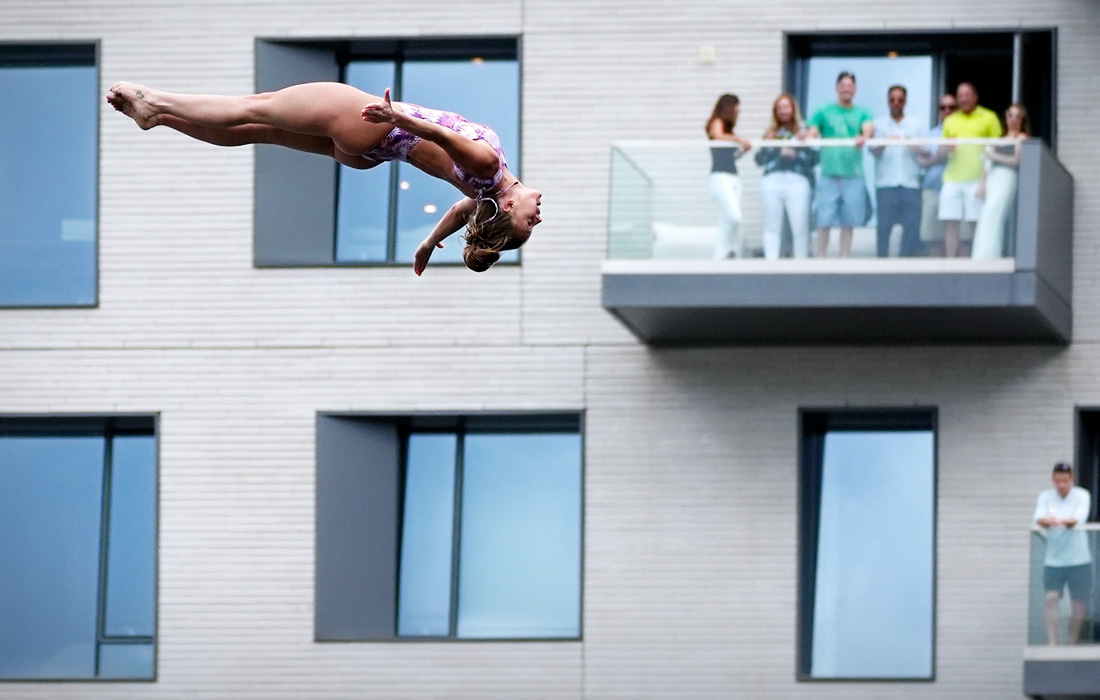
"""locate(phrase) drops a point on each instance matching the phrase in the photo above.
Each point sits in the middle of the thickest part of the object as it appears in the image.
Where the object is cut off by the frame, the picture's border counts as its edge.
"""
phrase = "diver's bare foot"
(134, 101)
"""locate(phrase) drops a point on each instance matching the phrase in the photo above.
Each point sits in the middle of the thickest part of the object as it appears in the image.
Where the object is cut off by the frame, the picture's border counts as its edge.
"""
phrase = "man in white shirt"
(897, 178)
(1067, 561)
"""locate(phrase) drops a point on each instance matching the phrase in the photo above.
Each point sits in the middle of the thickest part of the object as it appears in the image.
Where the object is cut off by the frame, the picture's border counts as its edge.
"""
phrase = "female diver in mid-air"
(361, 130)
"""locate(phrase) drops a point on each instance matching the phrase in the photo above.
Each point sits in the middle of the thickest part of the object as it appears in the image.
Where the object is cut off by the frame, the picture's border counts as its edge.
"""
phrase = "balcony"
(1066, 668)
(662, 281)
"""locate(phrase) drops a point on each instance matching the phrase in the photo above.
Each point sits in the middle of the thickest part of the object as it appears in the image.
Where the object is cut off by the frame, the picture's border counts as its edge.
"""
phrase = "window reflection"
(53, 488)
(130, 661)
(130, 563)
(873, 580)
(518, 572)
(48, 210)
(520, 542)
(426, 542)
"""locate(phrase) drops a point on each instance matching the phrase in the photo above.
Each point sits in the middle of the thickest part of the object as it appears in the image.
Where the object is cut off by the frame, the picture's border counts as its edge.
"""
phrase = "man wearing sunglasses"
(959, 204)
(1067, 562)
(931, 228)
(897, 177)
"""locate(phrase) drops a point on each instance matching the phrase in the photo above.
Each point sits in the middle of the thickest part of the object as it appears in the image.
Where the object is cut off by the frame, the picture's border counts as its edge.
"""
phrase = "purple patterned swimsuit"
(397, 144)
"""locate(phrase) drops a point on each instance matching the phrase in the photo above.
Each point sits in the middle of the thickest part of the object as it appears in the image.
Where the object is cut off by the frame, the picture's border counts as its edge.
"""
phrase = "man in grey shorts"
(1067, 562)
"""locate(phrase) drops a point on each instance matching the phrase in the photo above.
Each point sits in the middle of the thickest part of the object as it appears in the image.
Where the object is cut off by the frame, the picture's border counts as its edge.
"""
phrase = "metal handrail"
(817, 142)
(1087, 527)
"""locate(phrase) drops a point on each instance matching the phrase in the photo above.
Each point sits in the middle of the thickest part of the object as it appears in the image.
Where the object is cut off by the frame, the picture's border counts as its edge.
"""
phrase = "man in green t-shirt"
(841, 194)
(958, 198)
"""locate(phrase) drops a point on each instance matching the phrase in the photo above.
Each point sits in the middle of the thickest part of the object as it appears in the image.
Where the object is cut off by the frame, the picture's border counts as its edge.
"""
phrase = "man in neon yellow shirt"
(958, 201)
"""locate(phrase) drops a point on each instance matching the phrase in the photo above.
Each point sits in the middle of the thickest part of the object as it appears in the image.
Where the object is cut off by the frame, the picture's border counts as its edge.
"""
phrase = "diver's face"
(523, 205)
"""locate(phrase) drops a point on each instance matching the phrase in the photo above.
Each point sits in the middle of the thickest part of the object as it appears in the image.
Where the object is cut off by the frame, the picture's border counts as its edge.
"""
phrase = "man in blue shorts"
(841, 194)
(1067, 562)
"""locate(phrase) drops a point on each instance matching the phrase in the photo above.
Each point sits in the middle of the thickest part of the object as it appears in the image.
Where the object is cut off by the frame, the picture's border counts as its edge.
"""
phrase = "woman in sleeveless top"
(361, 130)
(725, 183)
(998, 187)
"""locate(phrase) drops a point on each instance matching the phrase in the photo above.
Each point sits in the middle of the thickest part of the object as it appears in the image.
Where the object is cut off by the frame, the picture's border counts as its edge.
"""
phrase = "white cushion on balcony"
(681, 241)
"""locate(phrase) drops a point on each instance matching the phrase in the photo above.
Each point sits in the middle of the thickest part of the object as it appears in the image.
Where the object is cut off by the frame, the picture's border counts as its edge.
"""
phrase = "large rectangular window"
(483, 539)
(49, 125)
(329, 214)
(78, 506)
(867, 564)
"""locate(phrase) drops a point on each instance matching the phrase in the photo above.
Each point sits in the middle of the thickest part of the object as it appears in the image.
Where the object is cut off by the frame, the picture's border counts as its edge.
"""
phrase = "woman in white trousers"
(787, 185)
(725, 183)
(998, 187)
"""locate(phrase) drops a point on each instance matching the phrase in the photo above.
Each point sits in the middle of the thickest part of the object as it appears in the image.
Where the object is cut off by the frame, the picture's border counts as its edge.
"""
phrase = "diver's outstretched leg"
(332, 110)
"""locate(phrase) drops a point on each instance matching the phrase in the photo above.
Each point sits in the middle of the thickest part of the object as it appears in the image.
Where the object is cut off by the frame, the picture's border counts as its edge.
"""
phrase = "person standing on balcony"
(958, 198)
(931, 228)
(787, 184)
(897, 177)
(998, 187)
(1068, 562)
(725, 183)
(841, 193)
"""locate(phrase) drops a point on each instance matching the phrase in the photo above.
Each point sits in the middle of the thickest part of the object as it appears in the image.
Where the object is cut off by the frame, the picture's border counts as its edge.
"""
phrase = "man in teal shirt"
(841, 194)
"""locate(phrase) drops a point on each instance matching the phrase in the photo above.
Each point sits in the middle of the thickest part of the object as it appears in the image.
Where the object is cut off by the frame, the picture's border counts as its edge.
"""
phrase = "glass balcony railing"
(1071, 616)
(697, 258)
(666, 205)
(1062, 656)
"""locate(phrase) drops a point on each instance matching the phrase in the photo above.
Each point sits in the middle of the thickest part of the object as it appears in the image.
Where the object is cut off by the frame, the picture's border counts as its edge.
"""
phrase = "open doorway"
(1001, 65)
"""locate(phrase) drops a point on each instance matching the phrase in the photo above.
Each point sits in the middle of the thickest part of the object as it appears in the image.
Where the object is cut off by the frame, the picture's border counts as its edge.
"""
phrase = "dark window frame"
(813, 424)
(108, 426)
(402, 425)
(312, 210)
(1086, 468)
(1086, 465)
(63, 54)
(1034, 48)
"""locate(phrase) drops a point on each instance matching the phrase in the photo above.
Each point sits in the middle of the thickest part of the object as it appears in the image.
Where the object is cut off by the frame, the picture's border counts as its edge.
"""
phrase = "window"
(1087, 466)
(48, 175)
(78, 504)
(867, 533)
(315, 212)
(449, 527)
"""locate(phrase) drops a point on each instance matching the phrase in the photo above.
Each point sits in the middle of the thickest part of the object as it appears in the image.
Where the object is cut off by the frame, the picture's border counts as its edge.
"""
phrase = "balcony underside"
(1055, 678)
(834, 301)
